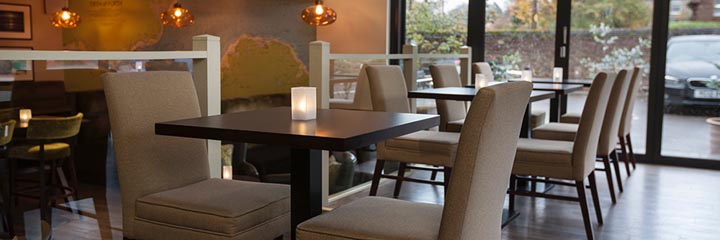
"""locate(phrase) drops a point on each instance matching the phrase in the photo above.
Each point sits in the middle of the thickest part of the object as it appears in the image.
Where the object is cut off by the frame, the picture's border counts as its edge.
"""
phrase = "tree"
(614, 13)
(533, 14)
(435, 31)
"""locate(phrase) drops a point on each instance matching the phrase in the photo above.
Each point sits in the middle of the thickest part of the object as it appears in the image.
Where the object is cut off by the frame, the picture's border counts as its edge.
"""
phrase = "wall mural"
(264, 43)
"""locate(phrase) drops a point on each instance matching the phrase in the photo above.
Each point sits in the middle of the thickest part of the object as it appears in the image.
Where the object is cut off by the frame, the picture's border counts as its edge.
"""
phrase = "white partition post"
(466, 65)
(410, 67)
(320, 79)
(206, 74)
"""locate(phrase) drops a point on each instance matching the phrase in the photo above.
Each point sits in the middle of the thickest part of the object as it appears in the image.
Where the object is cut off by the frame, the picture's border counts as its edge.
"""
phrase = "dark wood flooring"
(659, 202)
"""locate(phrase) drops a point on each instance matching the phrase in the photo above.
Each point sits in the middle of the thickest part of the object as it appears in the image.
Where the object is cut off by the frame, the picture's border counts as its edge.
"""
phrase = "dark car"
(692, 77)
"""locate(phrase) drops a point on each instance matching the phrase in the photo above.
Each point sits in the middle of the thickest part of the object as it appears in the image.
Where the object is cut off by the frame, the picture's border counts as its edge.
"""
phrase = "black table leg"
(556, 109)
(306, 186)
(526, 128)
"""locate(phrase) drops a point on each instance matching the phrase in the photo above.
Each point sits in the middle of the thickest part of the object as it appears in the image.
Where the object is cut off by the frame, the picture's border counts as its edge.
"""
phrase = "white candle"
(527, 75)
(227, 172)
(557, 74)
(303, 103)
(480, 81)
(25, 116)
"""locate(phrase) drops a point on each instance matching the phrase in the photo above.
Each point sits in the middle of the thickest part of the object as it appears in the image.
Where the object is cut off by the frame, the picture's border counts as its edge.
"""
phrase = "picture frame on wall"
(15, 21)
(16, 70)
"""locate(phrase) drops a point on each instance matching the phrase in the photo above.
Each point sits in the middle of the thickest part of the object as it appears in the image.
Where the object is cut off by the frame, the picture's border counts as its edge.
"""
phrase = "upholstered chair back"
(52, 128)
(626, 121)
(485, 69)
(588, 135)
(362, 99)
(446, 75)
(149, 163)
(7, 129)
(387, 89)
(611, 122)
(485, 157)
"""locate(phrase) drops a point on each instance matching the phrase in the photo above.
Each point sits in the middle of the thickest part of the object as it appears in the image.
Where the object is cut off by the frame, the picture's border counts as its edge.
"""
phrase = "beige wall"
(362, 26)
(44, 37)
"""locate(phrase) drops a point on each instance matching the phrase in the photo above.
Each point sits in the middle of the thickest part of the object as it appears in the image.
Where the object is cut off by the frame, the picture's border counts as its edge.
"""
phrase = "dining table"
(468, 94)
(333, 129)
(584, 82)
(558, 104)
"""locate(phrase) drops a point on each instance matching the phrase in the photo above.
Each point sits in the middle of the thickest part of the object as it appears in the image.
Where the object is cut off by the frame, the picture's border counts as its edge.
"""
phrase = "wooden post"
(466, 65)
(320, 79)
(410, 67)
(206, 74)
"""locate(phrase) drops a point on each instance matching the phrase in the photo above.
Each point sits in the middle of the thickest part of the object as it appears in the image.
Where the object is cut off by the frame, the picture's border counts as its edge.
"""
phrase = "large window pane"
(609, 35)
(692, 85)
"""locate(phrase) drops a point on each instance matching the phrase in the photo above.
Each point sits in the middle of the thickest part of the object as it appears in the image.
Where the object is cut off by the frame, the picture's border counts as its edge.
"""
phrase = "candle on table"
(480, 81)
(25, 116)
(527, 75)
(304, 105)
(557, 74)
(227, 172)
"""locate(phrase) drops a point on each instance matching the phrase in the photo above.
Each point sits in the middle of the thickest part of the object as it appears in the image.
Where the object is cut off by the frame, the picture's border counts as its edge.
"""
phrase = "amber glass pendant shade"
(177, 16)
(65, 19)
(318, 15)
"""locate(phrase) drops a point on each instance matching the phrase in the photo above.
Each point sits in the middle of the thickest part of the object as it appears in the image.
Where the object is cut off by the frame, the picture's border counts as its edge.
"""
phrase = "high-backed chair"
(610, 124)
(452, 113)
(167, 192)
(48, 143)
(389, 94)
(361, 100)
(572, 161)
(537, 116)
(474, 202)
(625, 122)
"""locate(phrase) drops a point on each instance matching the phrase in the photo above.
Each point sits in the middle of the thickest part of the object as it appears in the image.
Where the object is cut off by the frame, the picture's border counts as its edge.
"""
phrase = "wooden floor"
(659, 202)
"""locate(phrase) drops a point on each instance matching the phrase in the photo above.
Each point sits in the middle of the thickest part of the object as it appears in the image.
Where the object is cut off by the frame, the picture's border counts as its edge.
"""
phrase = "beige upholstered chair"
(452, 113)
(389, 94)
(625, 123)
(473, 206)
(610, 124)
(361, 100)
(573, 161)
(167, 192)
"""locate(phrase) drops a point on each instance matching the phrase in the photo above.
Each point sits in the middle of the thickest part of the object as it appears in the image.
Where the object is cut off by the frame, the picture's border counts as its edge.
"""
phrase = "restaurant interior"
(373, 119)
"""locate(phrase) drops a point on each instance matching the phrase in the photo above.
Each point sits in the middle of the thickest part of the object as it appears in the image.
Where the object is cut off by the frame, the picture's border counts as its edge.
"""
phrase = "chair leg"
(379, 165)
(533, 184)
(11, 198)
(53, 182)
(43, 191)
(616, 164)
(513, 186)
(399, 180)
(433, 174)
(580, 185)
(625, 158)
(73, 178)
(631, 152)
(608, 174)
(596, 199)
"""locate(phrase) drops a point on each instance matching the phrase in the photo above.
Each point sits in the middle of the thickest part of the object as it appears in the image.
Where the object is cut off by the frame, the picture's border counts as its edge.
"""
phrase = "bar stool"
(49, 142)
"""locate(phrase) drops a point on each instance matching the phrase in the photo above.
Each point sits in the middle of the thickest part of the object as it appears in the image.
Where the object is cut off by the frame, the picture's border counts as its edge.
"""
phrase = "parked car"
(693, 73)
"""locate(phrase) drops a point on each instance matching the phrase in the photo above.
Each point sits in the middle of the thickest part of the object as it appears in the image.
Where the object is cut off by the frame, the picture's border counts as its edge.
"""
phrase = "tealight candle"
(557, 74)
(527, 75)
(227, 172)
(480, 81)
(25, 116)
(303, 103)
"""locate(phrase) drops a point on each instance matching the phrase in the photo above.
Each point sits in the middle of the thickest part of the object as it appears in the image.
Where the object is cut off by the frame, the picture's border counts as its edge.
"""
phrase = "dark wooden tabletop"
(558, 88)
(334, 129)
(584, 82)
(467, 94)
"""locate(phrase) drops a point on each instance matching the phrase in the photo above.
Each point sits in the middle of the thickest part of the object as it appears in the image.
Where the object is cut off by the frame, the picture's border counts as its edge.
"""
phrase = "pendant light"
(318, 14)
(65, 18)
(177, 16)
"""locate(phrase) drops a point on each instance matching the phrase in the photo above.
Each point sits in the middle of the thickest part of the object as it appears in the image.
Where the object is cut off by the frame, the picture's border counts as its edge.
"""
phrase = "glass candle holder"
(227, 172)
(25, 116)
(527, 75)
(480, 81)
(304, 106)
(557, 74)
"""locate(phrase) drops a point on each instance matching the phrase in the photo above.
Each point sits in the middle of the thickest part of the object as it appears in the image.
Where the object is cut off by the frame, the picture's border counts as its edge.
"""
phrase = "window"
(676, 7)
(716, 8)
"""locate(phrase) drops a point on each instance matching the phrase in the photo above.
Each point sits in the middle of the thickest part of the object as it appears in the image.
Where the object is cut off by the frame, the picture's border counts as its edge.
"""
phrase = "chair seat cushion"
(455, 126)
(538, 118)
(572, 117)
(427, 147)
(556, 131)
(547, 158)
(32, 152)
(375, 218)
(222, 207)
